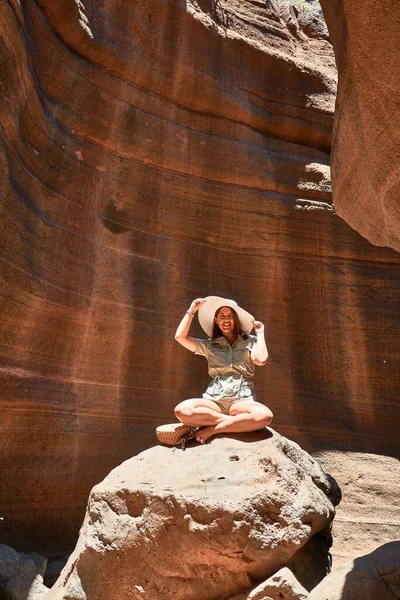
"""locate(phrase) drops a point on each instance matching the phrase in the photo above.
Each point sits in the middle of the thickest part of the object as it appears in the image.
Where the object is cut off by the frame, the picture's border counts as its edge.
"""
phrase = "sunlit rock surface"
(201, 524)
(152, 153)
(375, 576)
(281, 586)
(368, 515)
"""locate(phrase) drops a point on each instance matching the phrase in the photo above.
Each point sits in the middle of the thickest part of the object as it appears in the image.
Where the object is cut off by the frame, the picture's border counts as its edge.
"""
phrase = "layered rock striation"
(368, 515)
(152, 153)
(375, 576)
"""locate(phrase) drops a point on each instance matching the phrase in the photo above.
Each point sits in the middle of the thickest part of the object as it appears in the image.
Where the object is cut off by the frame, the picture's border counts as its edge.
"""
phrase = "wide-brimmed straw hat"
(208, 309)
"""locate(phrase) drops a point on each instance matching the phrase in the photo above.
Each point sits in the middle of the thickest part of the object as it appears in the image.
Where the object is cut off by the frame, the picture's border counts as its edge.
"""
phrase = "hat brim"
(207, 311)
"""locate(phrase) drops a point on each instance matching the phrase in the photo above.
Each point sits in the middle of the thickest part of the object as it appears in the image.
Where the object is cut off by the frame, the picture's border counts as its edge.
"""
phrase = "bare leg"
(199, 411)
(245, 416)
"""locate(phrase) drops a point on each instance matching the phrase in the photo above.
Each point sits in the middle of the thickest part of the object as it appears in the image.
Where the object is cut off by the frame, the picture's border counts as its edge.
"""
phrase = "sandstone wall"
(152, 153)
(367, 515)
(366, 143)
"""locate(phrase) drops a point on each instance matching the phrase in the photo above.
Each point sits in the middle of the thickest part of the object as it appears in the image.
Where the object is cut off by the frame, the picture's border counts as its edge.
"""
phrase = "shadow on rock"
(209, 523)
(375, 576)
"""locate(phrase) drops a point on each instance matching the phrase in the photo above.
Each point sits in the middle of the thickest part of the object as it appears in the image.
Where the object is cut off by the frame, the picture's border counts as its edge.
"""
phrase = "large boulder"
(375, 576)
(199, 524)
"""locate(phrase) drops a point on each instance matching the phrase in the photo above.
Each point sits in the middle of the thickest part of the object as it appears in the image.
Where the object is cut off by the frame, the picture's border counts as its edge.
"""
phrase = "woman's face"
(225, 319)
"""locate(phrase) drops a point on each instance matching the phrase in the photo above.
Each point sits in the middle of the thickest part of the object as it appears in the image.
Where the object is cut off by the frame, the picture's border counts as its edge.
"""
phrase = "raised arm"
(181, 334)
(259, 353)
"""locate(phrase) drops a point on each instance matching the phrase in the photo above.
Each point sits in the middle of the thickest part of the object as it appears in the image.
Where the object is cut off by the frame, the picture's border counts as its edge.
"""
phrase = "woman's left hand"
(258, 326)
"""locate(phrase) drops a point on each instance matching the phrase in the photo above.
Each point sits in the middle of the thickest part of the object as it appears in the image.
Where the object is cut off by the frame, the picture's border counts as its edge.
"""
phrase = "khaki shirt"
(230, 367)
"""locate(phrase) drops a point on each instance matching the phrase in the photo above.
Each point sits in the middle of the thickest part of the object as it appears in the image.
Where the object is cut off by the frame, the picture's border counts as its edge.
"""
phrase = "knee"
(184, 409)
(263, 416)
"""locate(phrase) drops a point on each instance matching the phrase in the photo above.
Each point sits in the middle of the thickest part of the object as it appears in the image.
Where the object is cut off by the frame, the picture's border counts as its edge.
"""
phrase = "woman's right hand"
(182, 333)
(194, 307)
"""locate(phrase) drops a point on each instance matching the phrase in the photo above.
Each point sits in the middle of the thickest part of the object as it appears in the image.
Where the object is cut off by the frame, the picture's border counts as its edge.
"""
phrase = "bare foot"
(203, 435)
(251, 420)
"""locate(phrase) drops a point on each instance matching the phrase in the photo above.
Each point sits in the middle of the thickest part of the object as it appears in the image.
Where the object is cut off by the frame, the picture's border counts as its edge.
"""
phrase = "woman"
(228, 405)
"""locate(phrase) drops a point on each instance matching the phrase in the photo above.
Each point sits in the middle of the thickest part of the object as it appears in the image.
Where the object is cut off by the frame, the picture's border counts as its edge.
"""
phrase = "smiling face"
(227, 321)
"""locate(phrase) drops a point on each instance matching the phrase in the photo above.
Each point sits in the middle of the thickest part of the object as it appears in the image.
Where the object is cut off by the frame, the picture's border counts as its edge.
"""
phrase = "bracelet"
(189, 312)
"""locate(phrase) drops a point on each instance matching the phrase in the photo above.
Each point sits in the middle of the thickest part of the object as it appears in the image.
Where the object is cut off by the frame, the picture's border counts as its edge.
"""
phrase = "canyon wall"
(366, 142)
(153, 153)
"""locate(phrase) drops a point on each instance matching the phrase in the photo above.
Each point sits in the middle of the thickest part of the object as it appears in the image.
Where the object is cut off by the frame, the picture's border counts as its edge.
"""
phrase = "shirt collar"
(222, 341)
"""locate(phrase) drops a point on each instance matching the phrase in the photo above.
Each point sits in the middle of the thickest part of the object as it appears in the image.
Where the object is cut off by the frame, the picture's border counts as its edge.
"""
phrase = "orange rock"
(366, 145)
(199, 525)
(101, 256)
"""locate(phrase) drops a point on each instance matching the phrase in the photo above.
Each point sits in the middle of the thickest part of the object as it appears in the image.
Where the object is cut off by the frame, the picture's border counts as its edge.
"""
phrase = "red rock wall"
(152, 153)
(366, 141)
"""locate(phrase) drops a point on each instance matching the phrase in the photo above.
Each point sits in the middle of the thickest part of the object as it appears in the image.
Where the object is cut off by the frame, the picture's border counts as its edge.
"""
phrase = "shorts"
(226, 403)
(226, 390)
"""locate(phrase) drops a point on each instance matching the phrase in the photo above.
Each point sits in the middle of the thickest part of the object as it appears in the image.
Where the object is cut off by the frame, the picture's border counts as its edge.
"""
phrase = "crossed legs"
(243, 416)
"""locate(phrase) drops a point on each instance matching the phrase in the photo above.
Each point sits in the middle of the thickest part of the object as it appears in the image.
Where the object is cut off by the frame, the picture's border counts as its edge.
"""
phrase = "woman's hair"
(216, 332)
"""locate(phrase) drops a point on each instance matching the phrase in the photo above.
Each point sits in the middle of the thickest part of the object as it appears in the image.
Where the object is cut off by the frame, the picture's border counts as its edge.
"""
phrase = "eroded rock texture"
(366, 142)
(375, 576)
(199, 525)
(368, 515)
(21, 575)
(153, 152)
(281, 586)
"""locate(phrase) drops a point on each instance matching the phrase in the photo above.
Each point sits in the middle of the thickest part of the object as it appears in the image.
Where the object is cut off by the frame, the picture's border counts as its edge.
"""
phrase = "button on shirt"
(230, 367)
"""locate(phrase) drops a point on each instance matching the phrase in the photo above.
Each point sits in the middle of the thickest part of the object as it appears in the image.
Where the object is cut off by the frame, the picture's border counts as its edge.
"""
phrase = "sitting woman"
(228, 405)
